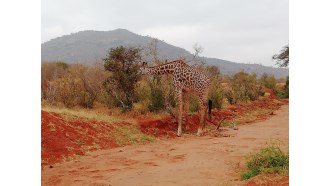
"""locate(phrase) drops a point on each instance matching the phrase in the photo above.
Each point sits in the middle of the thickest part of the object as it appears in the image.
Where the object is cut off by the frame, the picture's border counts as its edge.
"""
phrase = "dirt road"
(188, 160)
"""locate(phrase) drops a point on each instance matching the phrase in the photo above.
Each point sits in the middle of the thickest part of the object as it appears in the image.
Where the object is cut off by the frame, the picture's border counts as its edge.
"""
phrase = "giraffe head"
(143, 70)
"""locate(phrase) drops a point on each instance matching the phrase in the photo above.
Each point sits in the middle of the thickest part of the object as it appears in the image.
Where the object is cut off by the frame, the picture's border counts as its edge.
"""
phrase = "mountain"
(90, 46)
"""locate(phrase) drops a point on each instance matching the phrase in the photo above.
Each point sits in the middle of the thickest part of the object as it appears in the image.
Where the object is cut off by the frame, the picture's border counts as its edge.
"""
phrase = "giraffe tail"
(209, 106)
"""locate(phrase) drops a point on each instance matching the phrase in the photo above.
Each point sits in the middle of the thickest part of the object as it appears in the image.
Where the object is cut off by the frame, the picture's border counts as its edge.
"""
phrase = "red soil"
(167, 127)
(61, 137)
(270, 91)
(284, 181)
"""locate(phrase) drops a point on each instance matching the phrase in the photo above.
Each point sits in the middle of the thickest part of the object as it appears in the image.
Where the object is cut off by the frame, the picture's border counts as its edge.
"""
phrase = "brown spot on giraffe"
(186, 79)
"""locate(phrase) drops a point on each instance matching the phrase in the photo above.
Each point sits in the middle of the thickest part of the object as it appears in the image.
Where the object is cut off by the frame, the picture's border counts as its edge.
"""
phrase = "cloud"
(241, 31)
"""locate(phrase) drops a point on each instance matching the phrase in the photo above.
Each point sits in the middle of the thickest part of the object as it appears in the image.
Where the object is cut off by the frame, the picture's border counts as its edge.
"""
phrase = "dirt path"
(189, 160)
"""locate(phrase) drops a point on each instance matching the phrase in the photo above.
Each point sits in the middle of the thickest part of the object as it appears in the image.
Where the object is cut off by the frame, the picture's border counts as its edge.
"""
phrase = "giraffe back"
(190, 78)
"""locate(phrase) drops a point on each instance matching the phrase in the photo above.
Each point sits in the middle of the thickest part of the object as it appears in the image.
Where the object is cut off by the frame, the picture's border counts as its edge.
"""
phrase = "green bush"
(193, 104)
(216, 93)
(243, 87)
(249, 174)
(270, 159)
(124, 65)
(283, 93)
(157, 100)
(157, 91)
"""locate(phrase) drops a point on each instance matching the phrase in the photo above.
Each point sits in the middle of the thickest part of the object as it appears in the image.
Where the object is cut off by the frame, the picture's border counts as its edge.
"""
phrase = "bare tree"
(282, 59)
(198, 49)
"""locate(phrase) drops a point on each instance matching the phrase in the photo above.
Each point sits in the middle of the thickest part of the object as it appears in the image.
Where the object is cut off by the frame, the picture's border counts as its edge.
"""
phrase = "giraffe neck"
(167, 68)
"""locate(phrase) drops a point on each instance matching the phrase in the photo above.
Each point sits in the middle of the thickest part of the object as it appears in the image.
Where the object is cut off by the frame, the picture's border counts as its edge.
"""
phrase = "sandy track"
(189, 160)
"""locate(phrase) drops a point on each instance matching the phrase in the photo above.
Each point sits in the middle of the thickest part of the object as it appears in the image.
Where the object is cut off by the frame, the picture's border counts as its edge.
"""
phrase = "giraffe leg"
(185, 109)
(202, 111)
(180, 105)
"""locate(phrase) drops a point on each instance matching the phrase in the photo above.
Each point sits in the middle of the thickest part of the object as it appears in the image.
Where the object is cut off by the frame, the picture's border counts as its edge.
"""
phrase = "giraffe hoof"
(199, 132)
(179, 134)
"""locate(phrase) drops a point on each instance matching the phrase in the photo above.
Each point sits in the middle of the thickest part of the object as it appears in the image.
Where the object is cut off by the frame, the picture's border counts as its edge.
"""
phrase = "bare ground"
(188, 160)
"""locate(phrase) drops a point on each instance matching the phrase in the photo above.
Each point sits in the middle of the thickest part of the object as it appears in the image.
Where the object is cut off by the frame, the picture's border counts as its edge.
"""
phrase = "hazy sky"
(245, 31)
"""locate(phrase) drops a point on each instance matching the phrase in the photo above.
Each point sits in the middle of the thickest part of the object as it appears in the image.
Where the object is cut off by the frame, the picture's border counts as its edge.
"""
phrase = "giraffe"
(186, 79)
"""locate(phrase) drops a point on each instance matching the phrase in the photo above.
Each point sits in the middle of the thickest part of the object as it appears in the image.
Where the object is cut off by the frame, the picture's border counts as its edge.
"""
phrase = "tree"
(282, 59)
(124, 64)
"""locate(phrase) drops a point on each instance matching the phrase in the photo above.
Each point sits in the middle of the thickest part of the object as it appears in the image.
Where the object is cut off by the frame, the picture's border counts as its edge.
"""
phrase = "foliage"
(160, 87)
(193, 104)
(268, 81)
(72, 85)
(157, 98)
(50, 72)
(68, 88)
(283, 93)
(243, 87)
(249, 174)
(86, 99)
(123, 63)
(282, 59)
(270, 159)
(216, 92)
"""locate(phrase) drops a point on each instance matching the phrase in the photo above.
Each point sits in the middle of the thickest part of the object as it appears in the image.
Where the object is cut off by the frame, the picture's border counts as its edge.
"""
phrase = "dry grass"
(131, 134)
(126, 131)
(253, 115)
(95, 114)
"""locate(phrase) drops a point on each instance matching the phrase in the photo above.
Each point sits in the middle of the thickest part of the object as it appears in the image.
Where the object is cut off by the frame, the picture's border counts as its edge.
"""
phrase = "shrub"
(86, 99)
(216, 93)
(268, 81)
(231, 96)
(157, 92)
(270, 159)
(157, 99)
(283, 93)
(193, 104)
(123, 63)
(68, 89)
(243, 87)
(50, 72)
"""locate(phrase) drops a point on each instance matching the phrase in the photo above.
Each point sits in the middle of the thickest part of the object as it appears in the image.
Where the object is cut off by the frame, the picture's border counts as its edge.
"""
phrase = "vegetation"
(123, 63)
(270, 159)
(243, 87)
(116, 83)
(282, 59)
(216, 92)
(131, 134)
(71, 85)
(159, 88)
(268, 81)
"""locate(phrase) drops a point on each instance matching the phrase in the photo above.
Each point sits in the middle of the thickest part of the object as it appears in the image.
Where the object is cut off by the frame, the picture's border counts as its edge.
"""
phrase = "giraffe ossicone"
(186, 79)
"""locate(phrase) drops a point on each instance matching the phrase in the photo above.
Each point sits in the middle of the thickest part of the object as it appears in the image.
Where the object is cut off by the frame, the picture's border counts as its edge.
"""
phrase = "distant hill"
(87, 47)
